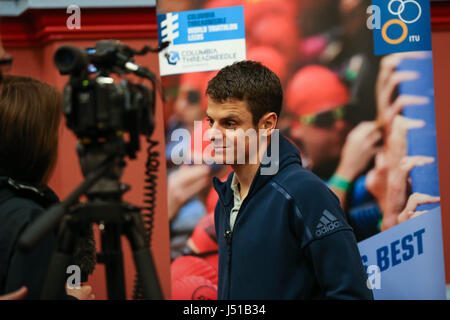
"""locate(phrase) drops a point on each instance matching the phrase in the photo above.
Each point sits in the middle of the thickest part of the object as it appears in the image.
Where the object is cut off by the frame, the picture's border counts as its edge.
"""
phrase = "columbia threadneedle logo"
(172, 57)
(169, 27)
(327, 223)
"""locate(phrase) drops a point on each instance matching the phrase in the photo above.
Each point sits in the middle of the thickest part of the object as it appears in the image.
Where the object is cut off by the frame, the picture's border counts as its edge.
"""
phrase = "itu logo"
(400, 25)
(399, 8)
(172, 57)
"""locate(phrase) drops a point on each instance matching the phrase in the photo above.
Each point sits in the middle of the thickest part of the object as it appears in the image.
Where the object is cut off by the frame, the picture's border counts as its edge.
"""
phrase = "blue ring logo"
(172, 57)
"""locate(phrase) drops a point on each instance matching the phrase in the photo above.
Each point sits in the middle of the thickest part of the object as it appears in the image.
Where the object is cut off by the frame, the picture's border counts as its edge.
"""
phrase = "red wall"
(32, 40)
(441, 49)
(440, 22)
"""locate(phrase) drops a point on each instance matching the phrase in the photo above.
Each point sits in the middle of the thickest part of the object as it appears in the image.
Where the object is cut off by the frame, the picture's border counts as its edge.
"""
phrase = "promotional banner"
(357, 79)
(425, 179)
(396, 251)
(201, 40)
(409, 260)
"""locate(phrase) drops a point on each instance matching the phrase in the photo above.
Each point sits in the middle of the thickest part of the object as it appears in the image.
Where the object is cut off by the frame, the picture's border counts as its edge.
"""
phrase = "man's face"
(231, 121)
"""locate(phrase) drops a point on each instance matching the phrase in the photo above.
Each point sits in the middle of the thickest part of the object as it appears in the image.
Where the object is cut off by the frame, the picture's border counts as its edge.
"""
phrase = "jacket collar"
(44, 196)
(287, 154)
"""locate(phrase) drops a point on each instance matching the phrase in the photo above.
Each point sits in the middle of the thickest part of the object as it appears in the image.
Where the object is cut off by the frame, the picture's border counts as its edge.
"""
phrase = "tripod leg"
(143, 259)
(54, 287)
(55, 282)
(113, 260)
(147, 274)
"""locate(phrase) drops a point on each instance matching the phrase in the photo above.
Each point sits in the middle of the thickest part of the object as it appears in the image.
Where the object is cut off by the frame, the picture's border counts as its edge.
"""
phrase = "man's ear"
(268, 122)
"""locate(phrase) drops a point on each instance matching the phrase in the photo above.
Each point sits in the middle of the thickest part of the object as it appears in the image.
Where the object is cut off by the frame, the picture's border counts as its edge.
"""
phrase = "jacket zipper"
(228, 235)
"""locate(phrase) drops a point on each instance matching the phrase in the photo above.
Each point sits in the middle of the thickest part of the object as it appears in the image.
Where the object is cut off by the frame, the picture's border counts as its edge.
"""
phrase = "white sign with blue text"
(201, 40)
(409, 258)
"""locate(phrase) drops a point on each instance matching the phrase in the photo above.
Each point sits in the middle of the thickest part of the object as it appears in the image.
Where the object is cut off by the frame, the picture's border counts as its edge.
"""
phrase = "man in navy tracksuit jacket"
(288, 237)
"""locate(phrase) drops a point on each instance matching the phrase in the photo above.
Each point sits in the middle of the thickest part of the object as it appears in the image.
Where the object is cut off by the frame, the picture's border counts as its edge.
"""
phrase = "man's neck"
(245, 173)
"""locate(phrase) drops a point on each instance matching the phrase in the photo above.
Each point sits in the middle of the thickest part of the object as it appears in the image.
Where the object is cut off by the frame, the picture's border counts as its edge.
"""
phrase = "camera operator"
(30, 112)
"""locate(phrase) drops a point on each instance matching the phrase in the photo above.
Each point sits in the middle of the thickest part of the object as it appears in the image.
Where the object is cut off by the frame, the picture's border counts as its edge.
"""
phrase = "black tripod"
(114, 218)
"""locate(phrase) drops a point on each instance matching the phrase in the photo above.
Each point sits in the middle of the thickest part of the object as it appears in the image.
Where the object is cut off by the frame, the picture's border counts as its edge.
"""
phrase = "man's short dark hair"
(251, 82)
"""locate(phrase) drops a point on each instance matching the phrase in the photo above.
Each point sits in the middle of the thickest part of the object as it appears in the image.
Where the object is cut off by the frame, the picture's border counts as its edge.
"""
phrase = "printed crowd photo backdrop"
(357, 77)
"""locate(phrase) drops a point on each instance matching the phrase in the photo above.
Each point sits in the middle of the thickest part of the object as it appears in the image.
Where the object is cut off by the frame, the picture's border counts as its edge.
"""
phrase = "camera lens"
(70, 60)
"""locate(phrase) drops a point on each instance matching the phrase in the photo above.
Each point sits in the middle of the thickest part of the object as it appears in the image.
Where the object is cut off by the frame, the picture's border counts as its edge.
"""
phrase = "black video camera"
(97, 108)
